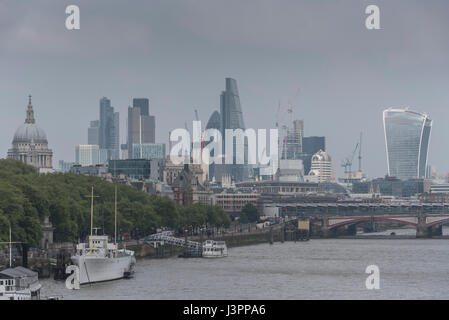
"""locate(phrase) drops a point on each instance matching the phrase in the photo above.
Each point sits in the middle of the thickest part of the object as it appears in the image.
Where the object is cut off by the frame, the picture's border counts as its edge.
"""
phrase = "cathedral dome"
(30, 131)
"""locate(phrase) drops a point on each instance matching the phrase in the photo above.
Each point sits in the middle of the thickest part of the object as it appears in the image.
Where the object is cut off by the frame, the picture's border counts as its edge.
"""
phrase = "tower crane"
(347, 162)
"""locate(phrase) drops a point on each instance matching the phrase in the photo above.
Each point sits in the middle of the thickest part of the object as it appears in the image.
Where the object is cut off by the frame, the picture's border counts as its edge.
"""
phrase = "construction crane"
(347, 162)
(360, 153)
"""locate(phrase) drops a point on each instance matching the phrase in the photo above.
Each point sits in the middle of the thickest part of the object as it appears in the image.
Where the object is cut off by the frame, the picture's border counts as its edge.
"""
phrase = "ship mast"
(115, 216)
(10, 247)
(92, 211)
(10, 242)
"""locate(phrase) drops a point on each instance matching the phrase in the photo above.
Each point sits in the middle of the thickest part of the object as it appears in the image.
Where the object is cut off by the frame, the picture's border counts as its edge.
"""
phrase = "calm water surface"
(318, 269)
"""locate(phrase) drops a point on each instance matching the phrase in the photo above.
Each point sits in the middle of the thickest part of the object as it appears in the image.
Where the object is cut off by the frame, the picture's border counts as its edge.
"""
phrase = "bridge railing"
(167, 237)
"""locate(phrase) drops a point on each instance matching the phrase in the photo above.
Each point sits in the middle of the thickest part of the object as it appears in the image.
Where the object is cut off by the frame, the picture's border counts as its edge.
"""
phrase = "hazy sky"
(177, 53)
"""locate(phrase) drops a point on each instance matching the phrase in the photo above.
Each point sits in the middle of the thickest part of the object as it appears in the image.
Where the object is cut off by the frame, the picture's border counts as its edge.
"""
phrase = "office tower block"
(109, 129)
(93, 133)
(310, 146)
(232, 118)
(87, 155)
(141, 125)
(293, 146)
(407, 135)
(143, 104)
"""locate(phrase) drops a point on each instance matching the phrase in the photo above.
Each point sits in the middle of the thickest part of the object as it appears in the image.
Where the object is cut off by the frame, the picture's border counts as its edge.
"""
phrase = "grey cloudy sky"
(177, 53)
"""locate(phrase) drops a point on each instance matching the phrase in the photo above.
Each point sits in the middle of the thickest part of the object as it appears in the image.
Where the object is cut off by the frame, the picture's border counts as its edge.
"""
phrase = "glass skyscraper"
(141, 126)
(232, 118)
(93, 133)
(109, 130)
(407, 136)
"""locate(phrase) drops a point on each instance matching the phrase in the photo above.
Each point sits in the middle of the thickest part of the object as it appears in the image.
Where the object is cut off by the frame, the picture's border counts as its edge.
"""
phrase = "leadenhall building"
(30, 144)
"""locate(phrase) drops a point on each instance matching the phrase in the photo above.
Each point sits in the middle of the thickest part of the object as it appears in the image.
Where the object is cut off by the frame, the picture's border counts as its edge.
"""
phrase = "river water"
(317, 269)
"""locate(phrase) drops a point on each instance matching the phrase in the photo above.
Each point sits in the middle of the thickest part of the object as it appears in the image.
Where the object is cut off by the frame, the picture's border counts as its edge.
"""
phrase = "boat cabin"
(19, 283)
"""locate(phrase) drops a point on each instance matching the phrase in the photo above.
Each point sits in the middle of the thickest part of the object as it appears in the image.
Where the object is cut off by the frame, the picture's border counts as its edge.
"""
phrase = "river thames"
(317, 269)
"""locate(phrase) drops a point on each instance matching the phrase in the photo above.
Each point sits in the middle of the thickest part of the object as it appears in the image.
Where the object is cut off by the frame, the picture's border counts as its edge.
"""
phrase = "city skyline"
(290, 149)
(347, 75)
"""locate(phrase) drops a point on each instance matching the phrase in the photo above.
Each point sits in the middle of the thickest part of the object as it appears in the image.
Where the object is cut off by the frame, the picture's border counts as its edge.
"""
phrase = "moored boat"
(214, 249)
(99, 260)
(18, 283)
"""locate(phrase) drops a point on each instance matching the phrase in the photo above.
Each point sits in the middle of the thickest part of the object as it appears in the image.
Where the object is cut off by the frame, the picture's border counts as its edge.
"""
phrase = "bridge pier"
(422, 231)
(436, 230)
(429, 232)
(325, 231)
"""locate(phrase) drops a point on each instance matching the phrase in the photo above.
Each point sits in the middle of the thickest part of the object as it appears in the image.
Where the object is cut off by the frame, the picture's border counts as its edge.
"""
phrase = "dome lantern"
(30, 112)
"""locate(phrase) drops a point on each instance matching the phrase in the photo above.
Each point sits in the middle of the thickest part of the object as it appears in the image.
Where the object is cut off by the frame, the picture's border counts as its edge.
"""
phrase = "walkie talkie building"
(407, 136)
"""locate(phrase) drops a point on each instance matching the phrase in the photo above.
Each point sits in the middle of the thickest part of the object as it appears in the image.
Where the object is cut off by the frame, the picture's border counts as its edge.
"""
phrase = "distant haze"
(178, 53)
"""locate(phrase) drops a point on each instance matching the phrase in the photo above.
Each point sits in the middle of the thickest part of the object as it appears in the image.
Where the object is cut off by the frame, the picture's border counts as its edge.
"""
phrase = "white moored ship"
(99, 260)
(214, 249)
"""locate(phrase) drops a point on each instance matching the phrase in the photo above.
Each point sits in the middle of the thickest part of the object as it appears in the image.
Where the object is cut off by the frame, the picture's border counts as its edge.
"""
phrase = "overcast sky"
(178, 53)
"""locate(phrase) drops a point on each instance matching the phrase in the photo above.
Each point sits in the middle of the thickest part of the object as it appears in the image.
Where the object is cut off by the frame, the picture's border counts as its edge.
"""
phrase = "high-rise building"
(313, 144)
(87, 155)
(232, 118)
(310, 146)
(141, 126)
(321, 168)
(106, 120)
(124, 151)
(30, 144)
(115, 137)
(93, 133)
(230, 108)
(148, 151)
(109, 136)
(214, 121)
(293, 145)
(407, 135)
(143, 104)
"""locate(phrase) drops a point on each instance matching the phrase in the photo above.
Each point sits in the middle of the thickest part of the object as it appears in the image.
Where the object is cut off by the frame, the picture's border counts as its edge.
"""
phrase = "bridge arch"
(335, 222)
(435, 220)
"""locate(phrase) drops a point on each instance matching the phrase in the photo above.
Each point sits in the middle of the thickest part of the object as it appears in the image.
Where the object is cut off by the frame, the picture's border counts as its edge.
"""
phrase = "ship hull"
(98, 269)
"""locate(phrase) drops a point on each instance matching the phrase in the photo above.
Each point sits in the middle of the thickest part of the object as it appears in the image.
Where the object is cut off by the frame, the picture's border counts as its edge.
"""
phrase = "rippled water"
(318, 269)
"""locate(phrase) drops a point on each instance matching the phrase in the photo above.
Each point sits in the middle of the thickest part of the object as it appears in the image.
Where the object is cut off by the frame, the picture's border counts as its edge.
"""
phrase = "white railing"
(168, 238)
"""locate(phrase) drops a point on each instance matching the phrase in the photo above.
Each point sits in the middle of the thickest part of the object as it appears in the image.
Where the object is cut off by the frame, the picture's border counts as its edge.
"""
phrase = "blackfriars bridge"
(328, 218)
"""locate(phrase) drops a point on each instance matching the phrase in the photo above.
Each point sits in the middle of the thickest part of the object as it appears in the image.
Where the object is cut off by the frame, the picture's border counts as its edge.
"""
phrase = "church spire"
(30, 112)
